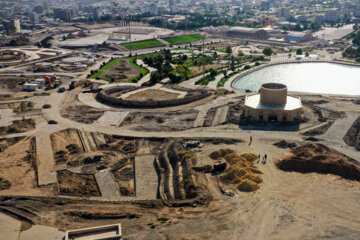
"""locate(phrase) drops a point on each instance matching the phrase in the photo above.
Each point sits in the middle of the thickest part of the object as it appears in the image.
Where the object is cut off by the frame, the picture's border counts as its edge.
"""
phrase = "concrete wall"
(282, 116)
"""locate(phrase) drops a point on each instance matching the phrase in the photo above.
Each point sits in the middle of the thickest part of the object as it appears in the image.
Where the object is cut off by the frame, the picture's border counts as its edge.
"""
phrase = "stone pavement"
(220, 115)
(45, 160)
(107, 184)
(146, 178)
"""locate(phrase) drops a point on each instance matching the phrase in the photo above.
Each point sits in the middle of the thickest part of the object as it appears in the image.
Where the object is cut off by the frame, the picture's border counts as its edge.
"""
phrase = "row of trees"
(163, 64)
(351, 52)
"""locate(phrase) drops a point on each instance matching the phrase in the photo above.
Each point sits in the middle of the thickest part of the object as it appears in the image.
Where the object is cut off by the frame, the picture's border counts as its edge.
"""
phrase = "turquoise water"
(325, 78)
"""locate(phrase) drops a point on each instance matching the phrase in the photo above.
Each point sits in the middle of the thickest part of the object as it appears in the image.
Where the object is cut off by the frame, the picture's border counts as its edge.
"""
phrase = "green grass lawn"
(143, 44)
(132, 62)
(221, 50)
(184, 39)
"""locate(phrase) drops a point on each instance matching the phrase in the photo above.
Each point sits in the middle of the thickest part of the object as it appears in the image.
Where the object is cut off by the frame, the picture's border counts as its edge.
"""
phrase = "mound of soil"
(45, 106)
(248, 186)
(220, 153)
(312, 139)
(285, 144)
(242, 171)
(352, 136)
(4, 184)
(52, 122)
(315, 157)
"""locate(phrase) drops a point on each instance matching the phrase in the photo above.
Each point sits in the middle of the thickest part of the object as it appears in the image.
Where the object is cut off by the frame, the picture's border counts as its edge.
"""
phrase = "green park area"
(120, 70)
(143, 44)
(183, 39)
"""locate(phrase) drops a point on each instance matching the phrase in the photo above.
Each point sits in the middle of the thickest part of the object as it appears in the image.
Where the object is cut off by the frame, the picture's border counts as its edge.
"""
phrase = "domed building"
(273, 104)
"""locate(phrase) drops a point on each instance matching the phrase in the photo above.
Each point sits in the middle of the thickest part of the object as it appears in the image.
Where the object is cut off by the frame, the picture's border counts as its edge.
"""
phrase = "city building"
(248, 33)
(63, 14)
(273, 104)
(97, 13)
(265, 6)
(151, 9)
(172, 6)
(38, 9)
(332, 16)
(12, 26)
(35, 18)
(283, 13)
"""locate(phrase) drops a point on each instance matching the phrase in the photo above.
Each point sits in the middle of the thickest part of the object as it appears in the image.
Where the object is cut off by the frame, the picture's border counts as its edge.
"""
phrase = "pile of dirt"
(4, 184)
(220, 153)
(285, 144)
(312, 139)
(18, 126)
(352, 136)
(242, 170)
(77, 184)
(315, 157)
(45, 106)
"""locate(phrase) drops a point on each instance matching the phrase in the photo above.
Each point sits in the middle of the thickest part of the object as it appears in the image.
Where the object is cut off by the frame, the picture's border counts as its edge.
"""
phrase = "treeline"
(351, 52)
(163, 62)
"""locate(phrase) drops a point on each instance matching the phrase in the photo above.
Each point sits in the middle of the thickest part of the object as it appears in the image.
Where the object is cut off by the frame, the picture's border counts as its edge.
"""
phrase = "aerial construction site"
(92, 138)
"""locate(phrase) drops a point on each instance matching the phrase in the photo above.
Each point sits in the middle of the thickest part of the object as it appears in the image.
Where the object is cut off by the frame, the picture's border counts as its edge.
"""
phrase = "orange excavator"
(52, 82)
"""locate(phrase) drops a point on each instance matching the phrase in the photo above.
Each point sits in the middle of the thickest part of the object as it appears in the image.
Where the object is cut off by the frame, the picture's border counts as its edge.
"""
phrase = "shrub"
(246, 67)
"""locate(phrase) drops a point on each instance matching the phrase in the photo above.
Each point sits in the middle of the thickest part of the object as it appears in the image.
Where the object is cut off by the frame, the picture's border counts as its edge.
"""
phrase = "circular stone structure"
(11, 56)
(273, 94)
(121, 96)
(273, 104)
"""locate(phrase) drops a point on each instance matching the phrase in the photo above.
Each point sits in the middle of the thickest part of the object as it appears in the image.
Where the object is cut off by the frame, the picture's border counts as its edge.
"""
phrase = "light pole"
(130, 39)
(203, 48)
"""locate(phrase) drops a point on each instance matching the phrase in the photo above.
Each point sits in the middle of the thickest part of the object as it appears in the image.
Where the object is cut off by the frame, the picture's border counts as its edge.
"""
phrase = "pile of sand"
(221, 153)
(242, 170)
(4, 184)
(314, 157)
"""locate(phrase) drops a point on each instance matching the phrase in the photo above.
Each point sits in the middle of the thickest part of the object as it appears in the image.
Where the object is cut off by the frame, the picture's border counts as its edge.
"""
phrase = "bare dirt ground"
(77, 184)
(152, 94)
(288, 205)
(19, 167)
(18, 126)
(157, 121)
(76, 111)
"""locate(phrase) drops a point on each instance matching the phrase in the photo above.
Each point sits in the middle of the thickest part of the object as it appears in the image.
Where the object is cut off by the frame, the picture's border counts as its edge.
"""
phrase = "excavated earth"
(314, 157)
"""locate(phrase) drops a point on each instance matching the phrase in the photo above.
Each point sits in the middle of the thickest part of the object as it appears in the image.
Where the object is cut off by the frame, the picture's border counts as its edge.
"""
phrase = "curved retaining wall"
(243, 74)
(105, 97)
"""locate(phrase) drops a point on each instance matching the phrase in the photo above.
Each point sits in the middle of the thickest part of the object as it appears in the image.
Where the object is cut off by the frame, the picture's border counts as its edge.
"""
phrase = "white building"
(30, 86)
(12, 25)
